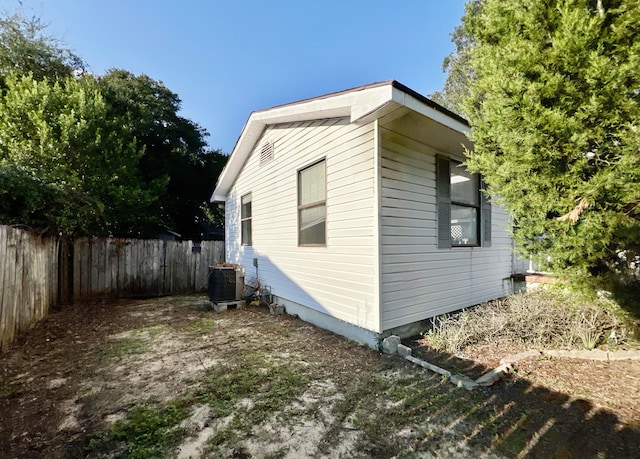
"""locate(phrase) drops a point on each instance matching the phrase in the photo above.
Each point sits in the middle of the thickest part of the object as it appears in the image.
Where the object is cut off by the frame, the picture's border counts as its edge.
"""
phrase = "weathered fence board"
(37, 273)
(28, 280)
(130, 267)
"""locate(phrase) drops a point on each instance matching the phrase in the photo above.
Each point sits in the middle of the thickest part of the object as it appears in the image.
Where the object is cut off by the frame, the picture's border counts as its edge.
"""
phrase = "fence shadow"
(516, 418)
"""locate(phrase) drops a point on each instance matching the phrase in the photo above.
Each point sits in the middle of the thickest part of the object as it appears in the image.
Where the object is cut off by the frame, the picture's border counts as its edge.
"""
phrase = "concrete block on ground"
(428, 366)
(625, 355)
(403, 350)
(390, 344)
(595, 354)
(223, 306)
(463, 381)
(276, 309)
(489, 378)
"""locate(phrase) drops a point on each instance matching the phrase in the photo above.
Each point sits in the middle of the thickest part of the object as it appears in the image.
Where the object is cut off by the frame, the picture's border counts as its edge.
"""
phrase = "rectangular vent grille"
(266, 153)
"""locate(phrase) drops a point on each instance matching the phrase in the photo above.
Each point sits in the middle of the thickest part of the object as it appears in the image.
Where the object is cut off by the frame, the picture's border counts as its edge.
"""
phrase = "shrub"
(539, 320)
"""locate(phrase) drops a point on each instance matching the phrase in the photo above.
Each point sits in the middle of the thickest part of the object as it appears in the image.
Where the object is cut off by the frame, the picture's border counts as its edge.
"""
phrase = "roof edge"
(258, 119)
(425, 100)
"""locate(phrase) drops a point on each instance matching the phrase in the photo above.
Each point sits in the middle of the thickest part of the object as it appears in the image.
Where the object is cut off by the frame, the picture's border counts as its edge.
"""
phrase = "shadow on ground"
(523, 420)
(346, 400)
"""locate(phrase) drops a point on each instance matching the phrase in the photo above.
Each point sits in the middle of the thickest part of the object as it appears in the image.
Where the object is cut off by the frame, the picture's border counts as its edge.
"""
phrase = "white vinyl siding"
(336, 278)
(419, 280)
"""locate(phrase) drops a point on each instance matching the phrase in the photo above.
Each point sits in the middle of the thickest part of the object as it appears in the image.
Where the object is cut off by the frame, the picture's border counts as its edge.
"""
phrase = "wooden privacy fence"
(28, 280)
(37, 273)
(137, 267)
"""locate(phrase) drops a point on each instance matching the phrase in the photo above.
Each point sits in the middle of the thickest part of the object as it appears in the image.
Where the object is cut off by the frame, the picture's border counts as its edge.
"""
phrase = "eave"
(362, 105)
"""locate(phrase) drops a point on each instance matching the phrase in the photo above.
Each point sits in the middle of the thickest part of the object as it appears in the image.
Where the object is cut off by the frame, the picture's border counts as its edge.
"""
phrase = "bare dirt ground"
(170, 378)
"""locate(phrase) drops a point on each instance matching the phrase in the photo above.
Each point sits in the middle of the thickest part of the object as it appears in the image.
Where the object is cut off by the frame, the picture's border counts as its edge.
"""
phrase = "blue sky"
(227, 58)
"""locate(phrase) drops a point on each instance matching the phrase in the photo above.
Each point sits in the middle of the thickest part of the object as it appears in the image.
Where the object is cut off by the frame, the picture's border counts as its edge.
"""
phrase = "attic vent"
(266, 152)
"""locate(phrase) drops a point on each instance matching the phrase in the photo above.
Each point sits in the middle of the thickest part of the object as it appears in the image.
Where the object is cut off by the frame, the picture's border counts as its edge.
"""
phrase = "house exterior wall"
(418, 279)
(337, 279)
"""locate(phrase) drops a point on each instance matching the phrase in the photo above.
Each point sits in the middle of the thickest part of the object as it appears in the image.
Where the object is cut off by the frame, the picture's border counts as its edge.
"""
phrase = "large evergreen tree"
(554, 104)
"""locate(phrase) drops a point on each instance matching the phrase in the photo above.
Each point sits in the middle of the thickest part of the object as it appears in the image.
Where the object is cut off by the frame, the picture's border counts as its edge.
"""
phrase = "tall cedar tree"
(554, 104)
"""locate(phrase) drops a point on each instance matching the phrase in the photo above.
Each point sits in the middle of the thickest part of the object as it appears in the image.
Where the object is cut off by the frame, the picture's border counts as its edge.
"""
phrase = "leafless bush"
(536, 320)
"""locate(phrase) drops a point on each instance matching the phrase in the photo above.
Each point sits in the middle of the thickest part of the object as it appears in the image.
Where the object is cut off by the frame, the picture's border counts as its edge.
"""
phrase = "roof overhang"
(362, 105)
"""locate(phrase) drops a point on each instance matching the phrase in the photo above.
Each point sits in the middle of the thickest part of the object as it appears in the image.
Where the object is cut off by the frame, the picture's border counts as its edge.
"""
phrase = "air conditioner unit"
(226, 283)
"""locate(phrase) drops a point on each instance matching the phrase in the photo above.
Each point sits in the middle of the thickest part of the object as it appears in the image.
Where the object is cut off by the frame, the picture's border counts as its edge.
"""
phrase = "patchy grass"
(126, 346)
(182, 381)
(202, 326)
(147, 432)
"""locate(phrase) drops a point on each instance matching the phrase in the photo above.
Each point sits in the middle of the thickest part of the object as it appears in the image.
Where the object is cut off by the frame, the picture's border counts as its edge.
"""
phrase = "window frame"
(246, 220)
(444, 202)
(310, 205)
(478, 207)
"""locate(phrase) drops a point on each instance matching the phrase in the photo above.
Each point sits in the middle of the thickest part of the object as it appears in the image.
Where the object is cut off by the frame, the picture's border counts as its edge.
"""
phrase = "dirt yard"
(170, 378)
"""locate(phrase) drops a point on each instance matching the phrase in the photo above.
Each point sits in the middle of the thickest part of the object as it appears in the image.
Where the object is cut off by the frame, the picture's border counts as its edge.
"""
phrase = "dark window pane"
(312, 225)
(246, 232)
(246, 206)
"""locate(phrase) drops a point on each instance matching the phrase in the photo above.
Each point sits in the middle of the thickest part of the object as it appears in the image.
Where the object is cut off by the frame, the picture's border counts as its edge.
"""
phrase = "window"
(312, 192)
(245, 219)
(464, 213)
(465, 206)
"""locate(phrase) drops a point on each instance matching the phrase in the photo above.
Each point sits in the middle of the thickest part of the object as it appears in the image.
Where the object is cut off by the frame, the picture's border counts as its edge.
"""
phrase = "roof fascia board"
(249, 136)
(339, 105)
(431, 110)
(361, 104)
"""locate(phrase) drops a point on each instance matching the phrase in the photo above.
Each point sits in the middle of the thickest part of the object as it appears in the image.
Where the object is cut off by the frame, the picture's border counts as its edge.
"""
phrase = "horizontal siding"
(336, 279)
(418, 279)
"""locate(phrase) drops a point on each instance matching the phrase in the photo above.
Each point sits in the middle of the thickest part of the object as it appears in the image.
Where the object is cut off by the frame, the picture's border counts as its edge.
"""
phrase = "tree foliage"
(554, 104)
(457, 66)
(86, 155)
(65, 164)
(174, 148)
(26, 48)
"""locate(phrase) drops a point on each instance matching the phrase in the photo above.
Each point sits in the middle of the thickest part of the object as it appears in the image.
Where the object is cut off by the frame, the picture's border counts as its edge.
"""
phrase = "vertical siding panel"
(196, 258)
(112, 266)
(6, 319)
(169, 270)
(24, 307)
(188, 265)
(17, 281)
(77, 280)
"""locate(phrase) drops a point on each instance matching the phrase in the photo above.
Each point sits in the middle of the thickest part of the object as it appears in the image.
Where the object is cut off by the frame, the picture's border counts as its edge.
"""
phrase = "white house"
(359, 215)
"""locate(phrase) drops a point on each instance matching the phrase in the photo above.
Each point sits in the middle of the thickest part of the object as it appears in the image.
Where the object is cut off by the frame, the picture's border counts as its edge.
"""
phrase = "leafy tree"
(25, 48)
(65, 162)
(174, 148)
(554, 104)
(87, 156)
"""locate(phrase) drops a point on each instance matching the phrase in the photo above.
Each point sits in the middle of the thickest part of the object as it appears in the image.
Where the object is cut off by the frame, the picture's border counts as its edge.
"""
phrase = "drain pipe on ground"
(392, 345)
